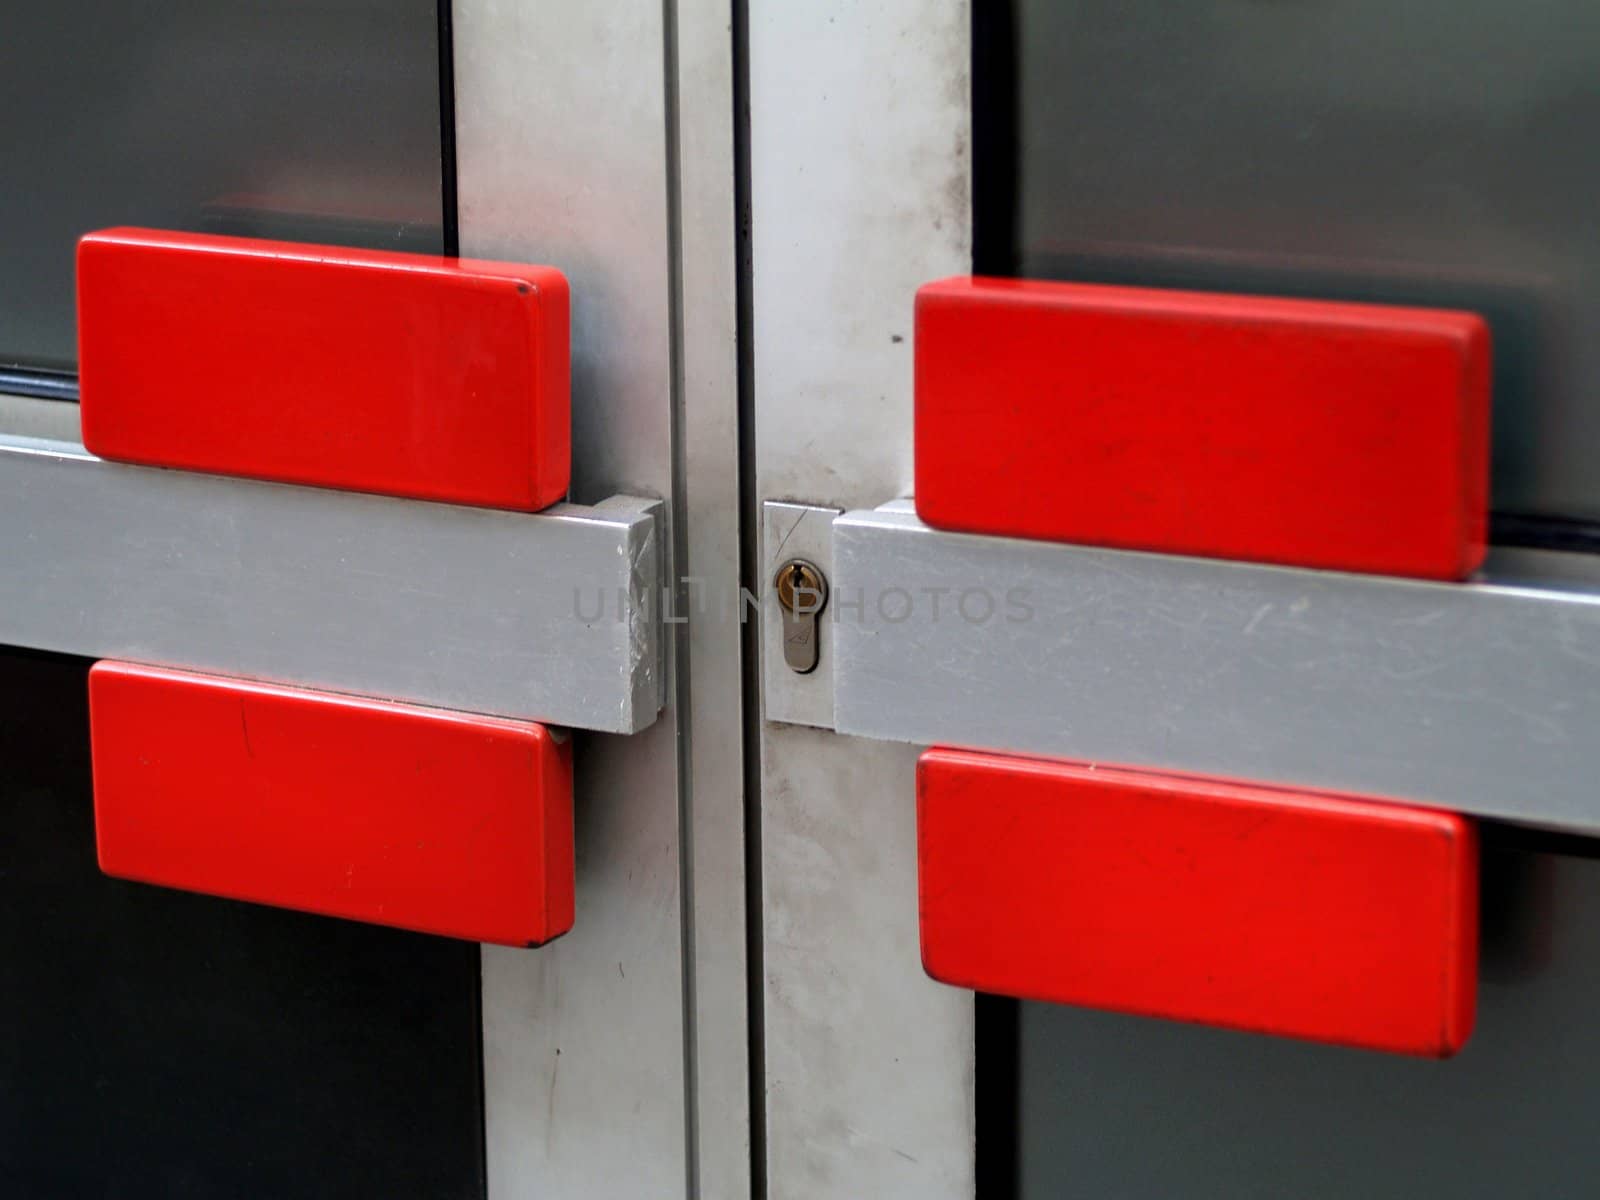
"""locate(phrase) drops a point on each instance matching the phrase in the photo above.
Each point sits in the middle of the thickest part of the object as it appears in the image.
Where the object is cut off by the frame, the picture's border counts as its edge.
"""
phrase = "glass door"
(1342, 151)
(1435, 156)
(161, 1043)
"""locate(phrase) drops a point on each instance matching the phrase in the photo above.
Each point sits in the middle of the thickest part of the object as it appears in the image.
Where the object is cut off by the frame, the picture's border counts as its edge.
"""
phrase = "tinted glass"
(1437, 152)
(1434, 152)
(312, 121)
(1119, 1106)
(154, 1043)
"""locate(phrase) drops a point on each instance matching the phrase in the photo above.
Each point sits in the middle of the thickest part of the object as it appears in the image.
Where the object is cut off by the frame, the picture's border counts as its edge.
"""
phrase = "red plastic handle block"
(433, 378)
(1346, 436)
(1311, 916)
(436, 821)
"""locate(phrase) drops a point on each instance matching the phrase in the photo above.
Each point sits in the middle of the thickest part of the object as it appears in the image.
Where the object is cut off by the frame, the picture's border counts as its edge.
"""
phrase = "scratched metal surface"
(860, 191)
(1479, 697)
(457, 607)
(563, 158)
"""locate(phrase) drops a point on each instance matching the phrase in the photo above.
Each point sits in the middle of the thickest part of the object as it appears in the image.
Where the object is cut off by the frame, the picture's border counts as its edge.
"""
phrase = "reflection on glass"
(1438, 152)
(1123, 1106)
(159, 1043)
(311, 121)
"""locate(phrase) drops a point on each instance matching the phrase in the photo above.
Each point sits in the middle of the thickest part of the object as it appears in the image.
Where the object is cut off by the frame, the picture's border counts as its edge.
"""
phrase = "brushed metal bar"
(552, 616)
(1482, 697)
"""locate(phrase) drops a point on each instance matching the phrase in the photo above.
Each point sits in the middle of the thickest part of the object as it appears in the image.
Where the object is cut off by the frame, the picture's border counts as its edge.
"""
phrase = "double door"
(744, 201)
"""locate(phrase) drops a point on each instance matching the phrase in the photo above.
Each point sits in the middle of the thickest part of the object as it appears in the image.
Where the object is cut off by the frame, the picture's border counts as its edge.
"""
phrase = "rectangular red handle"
(433, 378)
(1348, 436)
(1313, 916)
(430, 820)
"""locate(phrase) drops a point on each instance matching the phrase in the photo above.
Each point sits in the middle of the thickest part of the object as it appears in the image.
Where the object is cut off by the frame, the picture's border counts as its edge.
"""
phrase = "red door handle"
(1324, 917)
(436, 821)
(1348, 436)
(434, 378)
